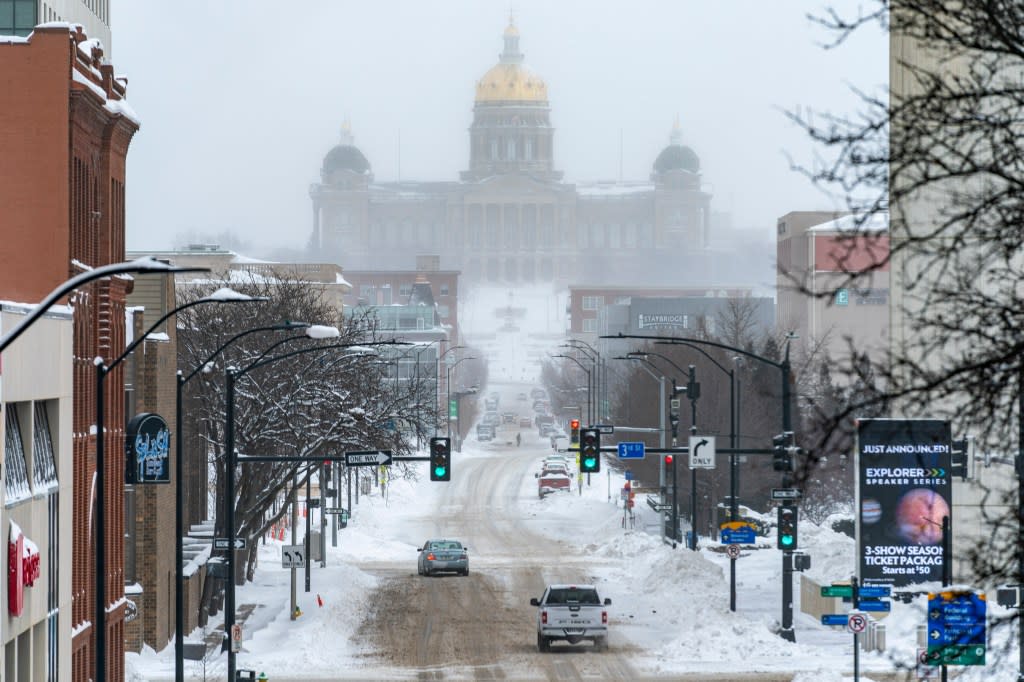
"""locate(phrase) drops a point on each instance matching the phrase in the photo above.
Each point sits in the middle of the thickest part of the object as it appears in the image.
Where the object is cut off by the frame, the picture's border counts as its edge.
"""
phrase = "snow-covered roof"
(874, 223)
(613, 188)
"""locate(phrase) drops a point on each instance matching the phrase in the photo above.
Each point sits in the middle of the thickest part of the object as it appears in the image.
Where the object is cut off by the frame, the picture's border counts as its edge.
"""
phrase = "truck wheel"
(543, 644)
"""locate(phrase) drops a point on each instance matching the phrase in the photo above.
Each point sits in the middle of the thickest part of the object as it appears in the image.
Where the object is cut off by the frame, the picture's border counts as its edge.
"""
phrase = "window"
(590, 324)
(591, 302)
(366, 292)
(494, 150)
(511, 150)
(405, 290)
(444, 289)
(528, 150)
(15, 466)
(17, 17)
(385, 294)
(44, 469)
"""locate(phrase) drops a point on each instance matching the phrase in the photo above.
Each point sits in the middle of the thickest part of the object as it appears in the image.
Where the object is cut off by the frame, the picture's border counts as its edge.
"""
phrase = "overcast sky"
(240, 101)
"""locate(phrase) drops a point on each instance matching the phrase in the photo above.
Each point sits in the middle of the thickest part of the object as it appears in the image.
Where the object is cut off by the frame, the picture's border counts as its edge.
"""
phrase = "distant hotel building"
(511, 219)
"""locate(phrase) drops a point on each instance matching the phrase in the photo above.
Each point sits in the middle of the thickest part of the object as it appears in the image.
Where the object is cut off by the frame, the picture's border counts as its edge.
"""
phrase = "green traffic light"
(440, 471)
(787, 540)
(588, 463)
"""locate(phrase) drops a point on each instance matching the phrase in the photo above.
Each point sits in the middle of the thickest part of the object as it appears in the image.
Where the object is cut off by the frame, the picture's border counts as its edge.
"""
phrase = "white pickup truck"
(572, 613)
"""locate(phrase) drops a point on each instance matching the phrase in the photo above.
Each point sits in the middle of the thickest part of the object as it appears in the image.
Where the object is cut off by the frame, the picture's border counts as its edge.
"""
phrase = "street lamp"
(223, 295)
(598, 362)
(589, 392)
(233, 374)
(437, 381)
(179, 489)
(448, 388)
(140, 265)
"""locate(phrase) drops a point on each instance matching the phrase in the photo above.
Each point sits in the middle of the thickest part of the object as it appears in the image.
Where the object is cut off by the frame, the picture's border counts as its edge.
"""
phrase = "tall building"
(20, 17)
(511, 218)
(64, 138)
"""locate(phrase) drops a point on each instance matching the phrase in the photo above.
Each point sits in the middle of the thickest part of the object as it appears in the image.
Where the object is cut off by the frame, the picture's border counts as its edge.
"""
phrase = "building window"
(590, 324)
(528, 150)
(444, 289)
(15, 466)
(385, 294)
(591, 302)
(511, 150)
(494, 150)
(405, 290)
(366, 293)
(44, 468)
(17, 17)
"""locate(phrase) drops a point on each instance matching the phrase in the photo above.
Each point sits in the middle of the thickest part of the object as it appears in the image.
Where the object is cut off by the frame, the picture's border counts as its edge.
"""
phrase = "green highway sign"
(844, 591)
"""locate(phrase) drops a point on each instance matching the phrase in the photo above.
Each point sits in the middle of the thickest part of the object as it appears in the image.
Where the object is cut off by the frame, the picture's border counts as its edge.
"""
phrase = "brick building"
(62, 178)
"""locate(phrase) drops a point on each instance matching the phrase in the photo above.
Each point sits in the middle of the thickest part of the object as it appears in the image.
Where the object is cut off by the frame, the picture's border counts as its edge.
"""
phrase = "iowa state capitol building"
(511, 219)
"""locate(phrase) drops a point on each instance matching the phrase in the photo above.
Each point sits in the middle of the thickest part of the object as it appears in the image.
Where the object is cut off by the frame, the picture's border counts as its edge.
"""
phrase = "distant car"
(508, 418)
(521, 396)
(538, 393)
(484, 432)
(556, 460)
(552, 482)
(443, 555)
(553, 468)
(525, 422)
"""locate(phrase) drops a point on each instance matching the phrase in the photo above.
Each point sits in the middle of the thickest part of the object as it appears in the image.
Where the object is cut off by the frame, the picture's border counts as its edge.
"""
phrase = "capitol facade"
(510, 218)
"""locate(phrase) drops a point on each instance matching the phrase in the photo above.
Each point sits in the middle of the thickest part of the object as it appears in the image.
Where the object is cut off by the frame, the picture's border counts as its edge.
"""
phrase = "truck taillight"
(430, 557)
(544, 617)
(604, 618)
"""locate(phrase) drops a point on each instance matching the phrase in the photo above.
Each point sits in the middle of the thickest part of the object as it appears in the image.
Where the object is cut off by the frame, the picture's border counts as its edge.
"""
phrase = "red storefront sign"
(22, 568)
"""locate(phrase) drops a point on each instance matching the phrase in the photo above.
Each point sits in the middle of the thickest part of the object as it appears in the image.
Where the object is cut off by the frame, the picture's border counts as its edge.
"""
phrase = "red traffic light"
(668, 459)
(574, 424)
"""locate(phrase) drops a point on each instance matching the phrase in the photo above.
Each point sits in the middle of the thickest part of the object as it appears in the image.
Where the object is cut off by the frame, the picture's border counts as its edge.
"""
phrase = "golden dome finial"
(511, 29)
(676, 136)
(346, 132)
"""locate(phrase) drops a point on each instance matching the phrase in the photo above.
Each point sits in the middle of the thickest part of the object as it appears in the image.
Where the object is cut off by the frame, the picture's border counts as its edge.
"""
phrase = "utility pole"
(693, 393)
(295, 541)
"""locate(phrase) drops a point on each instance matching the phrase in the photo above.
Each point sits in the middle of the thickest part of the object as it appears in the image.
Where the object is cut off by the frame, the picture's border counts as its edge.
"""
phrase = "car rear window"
(577, 596)
(438, 546)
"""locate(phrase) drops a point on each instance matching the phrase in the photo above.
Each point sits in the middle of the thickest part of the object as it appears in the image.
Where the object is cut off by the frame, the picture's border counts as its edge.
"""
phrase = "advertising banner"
(903, 493)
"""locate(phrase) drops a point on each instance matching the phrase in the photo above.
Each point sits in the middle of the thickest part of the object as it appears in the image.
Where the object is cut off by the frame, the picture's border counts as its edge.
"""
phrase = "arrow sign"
(785, 494)
(368, 458)
(702, 452)
(222, 543)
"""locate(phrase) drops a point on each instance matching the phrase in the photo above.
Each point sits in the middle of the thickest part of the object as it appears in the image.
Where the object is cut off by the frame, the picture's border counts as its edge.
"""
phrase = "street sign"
(453, 409)
(874, 591)
(222, 543)
(834, 619)
(605, 429)
(956, 628)
(658, 506)
(368, 458)
(786, 494)
(874, 605)
(857, 622)
(844, 591)
(293, 556)
(236, 638)
(335, 510)
(702, 452)
(733, 551)
(632, 450)
(738, 536)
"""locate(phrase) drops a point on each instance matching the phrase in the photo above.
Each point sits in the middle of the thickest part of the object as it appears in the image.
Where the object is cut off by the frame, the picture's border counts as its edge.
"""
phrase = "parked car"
(572, 613)
(552, 482)
(525, 422)
(508, 418)
(443, 555)
(484, 432)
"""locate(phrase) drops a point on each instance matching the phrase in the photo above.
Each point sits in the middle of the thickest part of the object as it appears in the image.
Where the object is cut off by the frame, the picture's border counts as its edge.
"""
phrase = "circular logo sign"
(857, 622)
(733, 551)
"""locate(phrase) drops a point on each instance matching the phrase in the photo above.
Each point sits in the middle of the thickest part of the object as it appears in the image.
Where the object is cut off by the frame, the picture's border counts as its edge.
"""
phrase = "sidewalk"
(215, 638)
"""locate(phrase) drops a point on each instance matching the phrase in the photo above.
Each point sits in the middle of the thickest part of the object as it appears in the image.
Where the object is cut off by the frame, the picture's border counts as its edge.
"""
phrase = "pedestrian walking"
(519, 439)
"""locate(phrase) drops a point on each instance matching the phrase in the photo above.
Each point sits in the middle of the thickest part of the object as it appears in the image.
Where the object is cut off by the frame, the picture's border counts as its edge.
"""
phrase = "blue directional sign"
(874, 591)
(956, 628)
(874, 604)
(631, 451)
(834, 619)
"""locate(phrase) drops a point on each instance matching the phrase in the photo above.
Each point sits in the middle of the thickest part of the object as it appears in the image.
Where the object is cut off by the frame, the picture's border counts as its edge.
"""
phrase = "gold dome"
(511, 83)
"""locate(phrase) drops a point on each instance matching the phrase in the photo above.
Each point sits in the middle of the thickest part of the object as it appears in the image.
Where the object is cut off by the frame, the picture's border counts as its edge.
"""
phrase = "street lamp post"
(233, 374)
(448, 389)
(596, 365)
(589, 389)
(179, 490)
(660, 378)
(437, 383)
(224, 295)
(785, 368)
(138, 266)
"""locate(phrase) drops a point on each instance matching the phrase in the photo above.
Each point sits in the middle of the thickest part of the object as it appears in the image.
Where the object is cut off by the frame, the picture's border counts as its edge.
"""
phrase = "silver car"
(443, 555)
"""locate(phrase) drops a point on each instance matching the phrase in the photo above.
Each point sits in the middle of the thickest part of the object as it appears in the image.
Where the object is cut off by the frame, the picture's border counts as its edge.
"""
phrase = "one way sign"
(702, 452)
(368, 458)
(293, 556)
(223, 543)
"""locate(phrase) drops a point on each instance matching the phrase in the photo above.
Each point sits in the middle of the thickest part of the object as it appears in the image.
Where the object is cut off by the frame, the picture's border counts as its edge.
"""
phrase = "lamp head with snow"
(322, 331)
(229, 295)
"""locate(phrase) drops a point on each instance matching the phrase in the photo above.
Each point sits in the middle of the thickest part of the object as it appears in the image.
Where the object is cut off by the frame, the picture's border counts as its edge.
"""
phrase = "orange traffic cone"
(319, 601)
(280, 535)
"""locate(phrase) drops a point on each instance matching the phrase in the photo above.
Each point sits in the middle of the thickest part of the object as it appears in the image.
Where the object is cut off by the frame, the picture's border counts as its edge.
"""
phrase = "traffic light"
(787, 539)
(574, 432)
(782, 460)
(590, 451)
(668, 460)
(440, 459)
